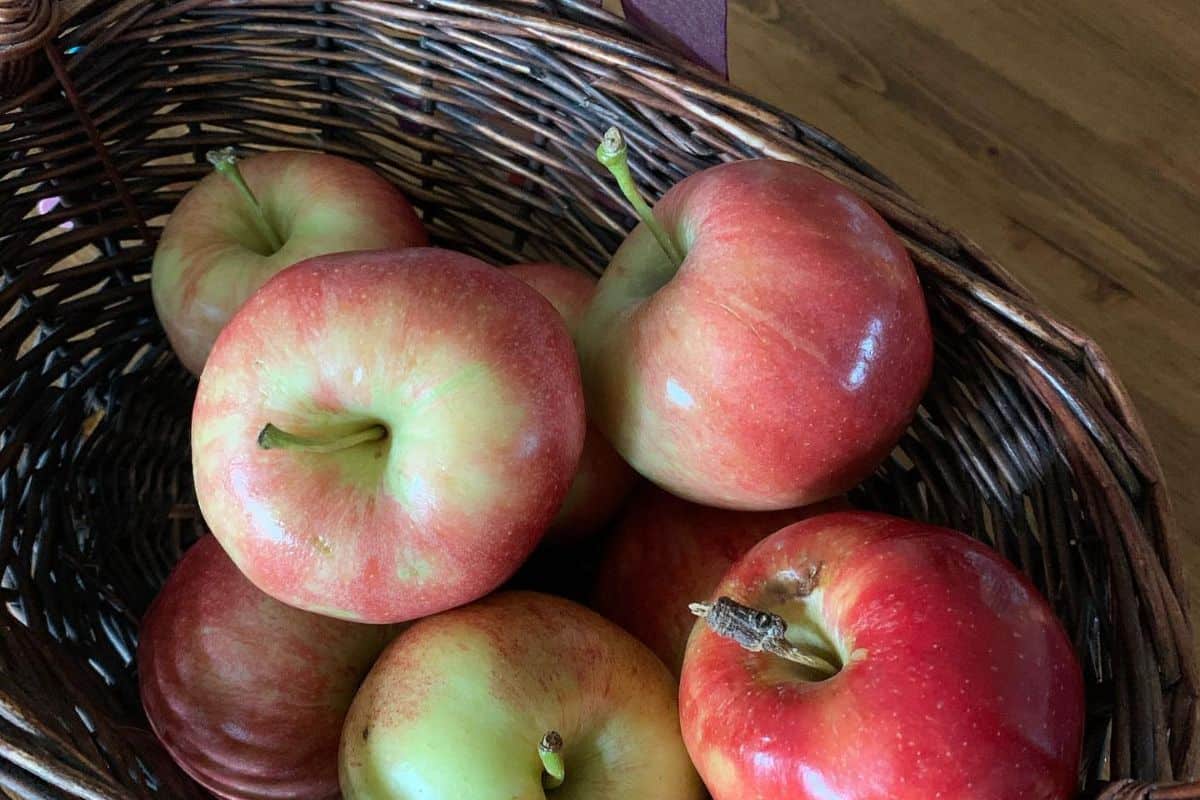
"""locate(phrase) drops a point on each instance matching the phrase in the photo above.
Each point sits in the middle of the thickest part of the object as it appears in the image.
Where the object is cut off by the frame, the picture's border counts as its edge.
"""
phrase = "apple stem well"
(550, 751)
(613, 153)
(224, 161)
(757, 631)
(272, 438)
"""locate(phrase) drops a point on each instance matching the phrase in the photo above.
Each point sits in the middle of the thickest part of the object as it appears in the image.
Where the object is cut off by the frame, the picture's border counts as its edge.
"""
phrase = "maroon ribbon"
(693, 28)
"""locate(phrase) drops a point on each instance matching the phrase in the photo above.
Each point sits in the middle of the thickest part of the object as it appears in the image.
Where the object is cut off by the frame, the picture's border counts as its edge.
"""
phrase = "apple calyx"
(757, 631)
(613, 153)
(224, 161)
(272, 438)
(550, 751)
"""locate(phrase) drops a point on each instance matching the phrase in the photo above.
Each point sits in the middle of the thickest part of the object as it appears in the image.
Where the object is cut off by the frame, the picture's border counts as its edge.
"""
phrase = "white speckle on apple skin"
(530, 443)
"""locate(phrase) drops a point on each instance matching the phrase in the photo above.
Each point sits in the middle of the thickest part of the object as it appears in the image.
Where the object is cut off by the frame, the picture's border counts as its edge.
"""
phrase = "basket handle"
(27, 26)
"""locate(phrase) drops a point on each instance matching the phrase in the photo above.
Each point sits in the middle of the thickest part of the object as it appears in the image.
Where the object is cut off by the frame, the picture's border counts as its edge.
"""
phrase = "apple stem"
(757, 631)
(550, 751)
(271, 438)
(224, 161)
(613, 153)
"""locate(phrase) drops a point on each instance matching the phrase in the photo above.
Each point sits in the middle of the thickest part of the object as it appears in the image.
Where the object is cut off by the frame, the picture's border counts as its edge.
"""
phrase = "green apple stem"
(224, 161)
(271, 438)
(613, 153)
(757, 631)
(550, 751)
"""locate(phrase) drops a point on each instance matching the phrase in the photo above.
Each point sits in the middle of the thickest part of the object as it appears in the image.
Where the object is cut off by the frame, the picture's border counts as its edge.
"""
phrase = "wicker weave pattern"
(25, 25)
(485, 113)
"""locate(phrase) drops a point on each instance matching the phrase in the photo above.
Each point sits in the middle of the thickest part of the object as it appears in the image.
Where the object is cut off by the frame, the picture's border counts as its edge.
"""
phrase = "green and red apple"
(867, 656)
(247, 694)
(521, 696)
(603, 478)
(227, 237)
(382, 436)
(766, 349)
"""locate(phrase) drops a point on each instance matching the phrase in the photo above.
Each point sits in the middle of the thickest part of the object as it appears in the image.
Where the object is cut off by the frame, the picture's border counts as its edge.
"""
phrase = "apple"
(236, 228)
(866, 656)
(381, 436)
(775, 357)
(247, 694)
(519, 696)
(666, 552)
(603, 478)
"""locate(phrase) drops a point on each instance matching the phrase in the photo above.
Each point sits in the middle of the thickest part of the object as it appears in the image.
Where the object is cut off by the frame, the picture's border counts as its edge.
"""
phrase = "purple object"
(694, 28)
(48, 204)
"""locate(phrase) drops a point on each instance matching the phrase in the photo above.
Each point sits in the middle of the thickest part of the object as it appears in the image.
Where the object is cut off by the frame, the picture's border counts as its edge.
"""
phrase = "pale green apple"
(225, 239)
(458, 706)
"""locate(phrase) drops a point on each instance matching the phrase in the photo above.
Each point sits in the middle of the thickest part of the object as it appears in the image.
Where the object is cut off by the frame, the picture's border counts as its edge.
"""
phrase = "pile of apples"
(385, 431)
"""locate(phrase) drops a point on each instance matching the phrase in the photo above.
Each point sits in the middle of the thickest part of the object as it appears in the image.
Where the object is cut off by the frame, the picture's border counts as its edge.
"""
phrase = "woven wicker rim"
(485, 113)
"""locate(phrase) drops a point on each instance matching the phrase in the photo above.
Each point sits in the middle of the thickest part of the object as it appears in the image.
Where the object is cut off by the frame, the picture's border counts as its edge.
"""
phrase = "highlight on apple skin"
(520, 695)
(779, 361)
(381, 436)
(219, 245)
(882, 659)
(247, 694)
(603, 479)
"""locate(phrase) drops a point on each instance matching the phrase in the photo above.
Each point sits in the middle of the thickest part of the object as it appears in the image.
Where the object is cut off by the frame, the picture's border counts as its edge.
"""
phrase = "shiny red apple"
(247, 694)
(603, 478)
(381, 436)
(520, 696)
(951, 676)
(219, 245)
(779, 362)
(665, 553)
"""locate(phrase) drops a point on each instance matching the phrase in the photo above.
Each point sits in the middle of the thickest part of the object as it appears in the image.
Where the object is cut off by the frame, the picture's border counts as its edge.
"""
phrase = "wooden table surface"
(1061, 135)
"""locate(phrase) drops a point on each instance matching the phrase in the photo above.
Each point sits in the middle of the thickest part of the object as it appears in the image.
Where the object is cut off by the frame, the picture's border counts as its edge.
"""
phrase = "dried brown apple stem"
(757, 631)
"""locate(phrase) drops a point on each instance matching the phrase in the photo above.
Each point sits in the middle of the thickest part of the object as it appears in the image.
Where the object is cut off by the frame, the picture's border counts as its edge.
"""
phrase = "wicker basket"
(486, 114)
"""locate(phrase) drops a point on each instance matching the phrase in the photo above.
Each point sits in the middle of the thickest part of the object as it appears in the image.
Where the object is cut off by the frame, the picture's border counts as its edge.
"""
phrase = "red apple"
(603, 478)
(381, 436)
(457, 708)
(783, 358)
(665, 553)
(953, 677)
(247, 694)
(215, 251)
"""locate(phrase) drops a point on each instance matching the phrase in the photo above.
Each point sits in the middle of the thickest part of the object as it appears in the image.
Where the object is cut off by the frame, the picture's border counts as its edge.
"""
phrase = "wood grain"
(1061, 136)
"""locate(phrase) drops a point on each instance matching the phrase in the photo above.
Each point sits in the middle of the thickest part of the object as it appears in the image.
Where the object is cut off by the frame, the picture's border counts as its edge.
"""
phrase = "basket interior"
(487, 118)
